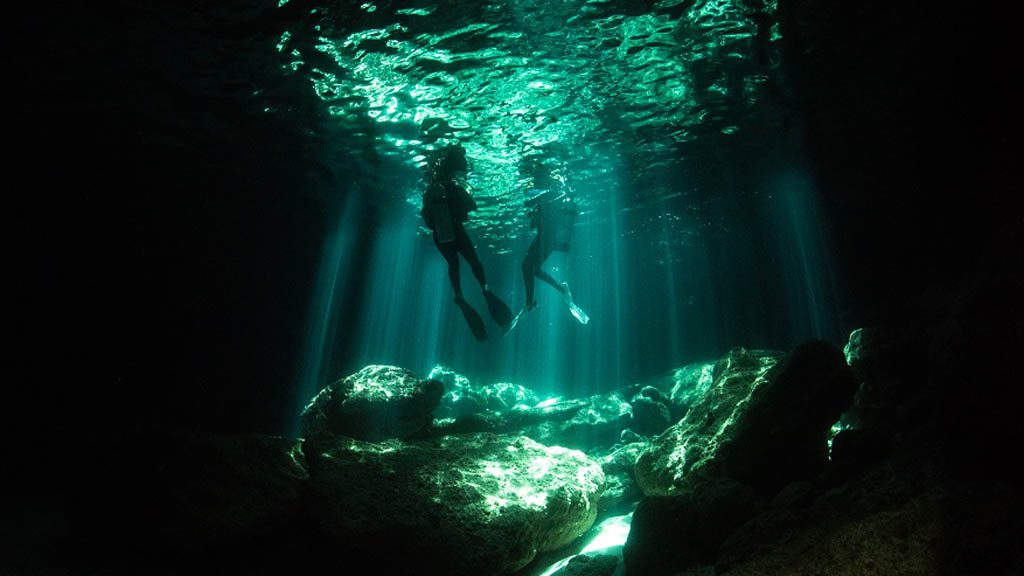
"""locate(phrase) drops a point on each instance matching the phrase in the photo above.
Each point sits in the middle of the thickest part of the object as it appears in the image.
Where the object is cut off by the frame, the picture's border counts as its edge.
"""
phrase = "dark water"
(224, 198)
(214, 205)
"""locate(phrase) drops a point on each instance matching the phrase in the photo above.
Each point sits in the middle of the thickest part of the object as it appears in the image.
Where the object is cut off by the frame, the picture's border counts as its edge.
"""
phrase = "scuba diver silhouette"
(552, 214)
(446, 207)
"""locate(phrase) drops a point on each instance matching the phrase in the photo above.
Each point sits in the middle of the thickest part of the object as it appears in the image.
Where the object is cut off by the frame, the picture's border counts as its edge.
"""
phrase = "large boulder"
(889, 365)
(763, 423)
(906, 538)
(376, 403)
(458, 398)
(471, 504)
(690, 443)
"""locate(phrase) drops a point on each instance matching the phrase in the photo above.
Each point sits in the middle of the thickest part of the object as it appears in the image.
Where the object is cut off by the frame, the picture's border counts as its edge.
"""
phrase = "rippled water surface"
(610, 99)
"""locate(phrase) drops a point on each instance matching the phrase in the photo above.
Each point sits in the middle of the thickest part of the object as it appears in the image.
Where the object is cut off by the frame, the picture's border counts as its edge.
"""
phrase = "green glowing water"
(604, 96)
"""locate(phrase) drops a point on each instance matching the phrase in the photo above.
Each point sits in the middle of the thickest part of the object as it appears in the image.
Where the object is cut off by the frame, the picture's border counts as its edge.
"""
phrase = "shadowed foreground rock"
(669, 532)
(474, 504)
(181, 503)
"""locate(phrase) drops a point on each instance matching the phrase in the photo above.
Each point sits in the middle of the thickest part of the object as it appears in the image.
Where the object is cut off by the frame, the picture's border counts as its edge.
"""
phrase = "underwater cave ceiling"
(611, 97)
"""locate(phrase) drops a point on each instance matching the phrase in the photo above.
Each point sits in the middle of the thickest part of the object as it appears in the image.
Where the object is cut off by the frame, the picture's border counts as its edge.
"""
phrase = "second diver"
(552, 215)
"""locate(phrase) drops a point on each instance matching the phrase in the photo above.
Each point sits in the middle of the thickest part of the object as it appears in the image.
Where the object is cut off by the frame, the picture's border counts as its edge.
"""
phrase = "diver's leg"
(531, 264)
(451, 255)
(465, 246)
(550, 280)
(497, 308)
(544, 251)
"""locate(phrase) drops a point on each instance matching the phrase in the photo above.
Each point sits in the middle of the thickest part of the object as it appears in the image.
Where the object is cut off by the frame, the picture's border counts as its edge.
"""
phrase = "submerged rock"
(621, 493)
(376, 403)
(590, 424)
(671, 533)
(762, 423)
(690, 443)
(689, 384)
(457, 399)
(510, 421)
(596, 423)
(462, 397)
(472, 504)
(888, 364)
(679, 388)
(650, 412)
(899, 517)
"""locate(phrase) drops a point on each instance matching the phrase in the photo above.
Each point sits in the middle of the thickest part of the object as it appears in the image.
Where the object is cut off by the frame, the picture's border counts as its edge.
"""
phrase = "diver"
(552, 214)
(446, 207)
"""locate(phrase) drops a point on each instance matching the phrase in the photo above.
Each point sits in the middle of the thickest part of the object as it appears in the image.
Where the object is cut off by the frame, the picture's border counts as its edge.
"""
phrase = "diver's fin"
(476, 323)
(500, 311)
(578, 313)
(575, 310)
(515, 320)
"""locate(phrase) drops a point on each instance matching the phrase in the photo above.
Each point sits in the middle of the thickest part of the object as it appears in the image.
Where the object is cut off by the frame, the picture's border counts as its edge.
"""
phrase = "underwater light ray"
(336, 262)
(813, 282)
(672, 291)
(399, 300)
(428, 330)
(618, 268)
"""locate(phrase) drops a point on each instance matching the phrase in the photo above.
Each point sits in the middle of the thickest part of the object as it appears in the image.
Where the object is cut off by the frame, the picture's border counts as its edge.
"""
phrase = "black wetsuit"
(446, 206)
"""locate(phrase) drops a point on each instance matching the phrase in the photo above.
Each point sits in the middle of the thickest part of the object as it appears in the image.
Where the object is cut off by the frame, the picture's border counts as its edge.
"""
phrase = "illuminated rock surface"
(376, 403)
(596, 424)
(588, 424)
(690, 444)
(471, 504)
(462, 397)
(761, 423)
